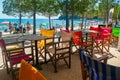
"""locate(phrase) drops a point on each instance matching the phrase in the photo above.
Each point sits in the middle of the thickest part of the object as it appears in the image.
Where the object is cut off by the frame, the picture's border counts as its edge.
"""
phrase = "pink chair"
(102, 41)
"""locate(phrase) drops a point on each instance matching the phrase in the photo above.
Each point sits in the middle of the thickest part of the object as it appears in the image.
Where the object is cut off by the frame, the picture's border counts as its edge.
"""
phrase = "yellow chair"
(48, 33)
(28, 72)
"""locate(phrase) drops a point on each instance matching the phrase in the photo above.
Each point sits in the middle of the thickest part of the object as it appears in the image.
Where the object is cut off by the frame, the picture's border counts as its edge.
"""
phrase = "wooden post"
(119, 43)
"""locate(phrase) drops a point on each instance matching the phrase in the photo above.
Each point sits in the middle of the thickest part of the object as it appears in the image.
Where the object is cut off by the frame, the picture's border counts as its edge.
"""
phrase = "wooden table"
(35, 38)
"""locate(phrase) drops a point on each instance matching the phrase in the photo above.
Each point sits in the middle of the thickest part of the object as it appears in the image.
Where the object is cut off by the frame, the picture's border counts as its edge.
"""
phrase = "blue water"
(45, 22)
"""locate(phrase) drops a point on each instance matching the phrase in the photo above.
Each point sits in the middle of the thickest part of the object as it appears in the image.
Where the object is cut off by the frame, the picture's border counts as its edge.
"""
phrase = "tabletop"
(34, 37)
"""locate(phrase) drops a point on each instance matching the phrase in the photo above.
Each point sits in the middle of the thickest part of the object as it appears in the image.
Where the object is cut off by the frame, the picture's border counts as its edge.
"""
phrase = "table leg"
(37, 65)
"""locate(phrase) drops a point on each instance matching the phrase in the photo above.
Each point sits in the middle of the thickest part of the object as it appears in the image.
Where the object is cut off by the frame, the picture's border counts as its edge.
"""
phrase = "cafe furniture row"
(57, 47)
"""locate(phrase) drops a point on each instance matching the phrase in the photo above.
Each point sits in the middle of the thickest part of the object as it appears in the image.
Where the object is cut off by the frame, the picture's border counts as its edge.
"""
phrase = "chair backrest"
(77, 37)
(66, 36)
(105, 33)
(98, 70)
(105, 30)
(94, 29)
(116, 32)
(28, 72)
(47, 33)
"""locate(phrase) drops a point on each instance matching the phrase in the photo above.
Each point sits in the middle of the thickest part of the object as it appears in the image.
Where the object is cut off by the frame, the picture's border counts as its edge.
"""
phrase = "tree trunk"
(82, 20)
(20, 18)
(49, 21)
(72, 21)
(67, 19)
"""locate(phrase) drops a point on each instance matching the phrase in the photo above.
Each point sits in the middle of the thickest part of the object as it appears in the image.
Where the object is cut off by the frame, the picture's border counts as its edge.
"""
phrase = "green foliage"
(54, 7)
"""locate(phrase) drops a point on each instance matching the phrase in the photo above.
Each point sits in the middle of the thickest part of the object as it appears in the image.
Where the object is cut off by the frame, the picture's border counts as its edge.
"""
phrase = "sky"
(4, 16)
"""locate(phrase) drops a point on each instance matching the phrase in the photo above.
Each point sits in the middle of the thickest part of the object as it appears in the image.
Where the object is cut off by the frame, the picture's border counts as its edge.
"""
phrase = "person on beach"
(10, 27)
(28, 26)
(81, 25)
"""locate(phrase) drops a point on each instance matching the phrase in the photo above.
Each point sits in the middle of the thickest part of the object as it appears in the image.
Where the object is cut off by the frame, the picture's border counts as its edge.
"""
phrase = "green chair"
(115, 35)
(116, 32)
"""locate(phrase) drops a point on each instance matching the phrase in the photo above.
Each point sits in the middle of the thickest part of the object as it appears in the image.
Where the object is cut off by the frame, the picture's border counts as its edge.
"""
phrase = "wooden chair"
(13, 58)
(115, 35)
(41, 44)
(28, 72)
(60, 50)
(81, 40)
(8, 41)
(97, 70)
(95, 33)
(102, 41)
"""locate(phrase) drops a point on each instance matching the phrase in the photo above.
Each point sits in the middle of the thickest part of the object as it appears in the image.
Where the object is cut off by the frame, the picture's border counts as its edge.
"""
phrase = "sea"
(44, 22)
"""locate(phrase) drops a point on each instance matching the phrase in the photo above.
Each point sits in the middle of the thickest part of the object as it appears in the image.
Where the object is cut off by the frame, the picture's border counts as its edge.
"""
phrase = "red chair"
(81, 41)
(13, 58)
(95, 29)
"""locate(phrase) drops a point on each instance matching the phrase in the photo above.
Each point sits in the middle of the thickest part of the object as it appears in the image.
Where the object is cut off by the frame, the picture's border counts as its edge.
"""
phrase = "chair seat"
(84, 44)
(62, 51)
(98, 39)
(18, 59)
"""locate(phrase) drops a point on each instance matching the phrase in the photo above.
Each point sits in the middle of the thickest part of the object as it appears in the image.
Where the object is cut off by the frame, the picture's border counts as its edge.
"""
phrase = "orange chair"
(28, 72)
(81, 41)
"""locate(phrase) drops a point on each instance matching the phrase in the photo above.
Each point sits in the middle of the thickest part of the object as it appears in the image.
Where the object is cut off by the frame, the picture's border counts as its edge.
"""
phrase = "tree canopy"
(49, 8)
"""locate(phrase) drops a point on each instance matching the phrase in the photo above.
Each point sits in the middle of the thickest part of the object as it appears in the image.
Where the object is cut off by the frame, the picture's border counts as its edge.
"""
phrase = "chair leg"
(55, 66)
(84, 73)
(6, 65)
(69, 60)
(12, 72)
(54, 61)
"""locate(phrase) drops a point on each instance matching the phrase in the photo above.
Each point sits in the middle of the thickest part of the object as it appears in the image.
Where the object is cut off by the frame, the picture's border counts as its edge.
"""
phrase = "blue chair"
(96, 70)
